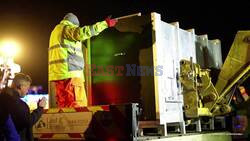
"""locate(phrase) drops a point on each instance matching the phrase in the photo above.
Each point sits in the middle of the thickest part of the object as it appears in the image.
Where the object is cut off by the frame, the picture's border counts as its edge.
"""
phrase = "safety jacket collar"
(66, 22)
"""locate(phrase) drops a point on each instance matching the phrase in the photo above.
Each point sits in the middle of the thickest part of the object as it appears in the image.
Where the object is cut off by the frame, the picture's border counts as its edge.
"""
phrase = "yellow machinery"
(201, 97)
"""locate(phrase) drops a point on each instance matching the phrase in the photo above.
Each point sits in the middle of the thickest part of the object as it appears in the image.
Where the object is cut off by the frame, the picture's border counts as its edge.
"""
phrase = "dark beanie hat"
(72, 18)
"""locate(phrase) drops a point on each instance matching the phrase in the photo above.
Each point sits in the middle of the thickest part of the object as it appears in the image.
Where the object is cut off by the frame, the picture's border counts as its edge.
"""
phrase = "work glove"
(111, 22)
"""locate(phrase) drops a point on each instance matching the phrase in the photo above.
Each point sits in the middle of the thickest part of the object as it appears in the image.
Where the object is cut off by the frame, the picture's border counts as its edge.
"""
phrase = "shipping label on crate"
(76, 122)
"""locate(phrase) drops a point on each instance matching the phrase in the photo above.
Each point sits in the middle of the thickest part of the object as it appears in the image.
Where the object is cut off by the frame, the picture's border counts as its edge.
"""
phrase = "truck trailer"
(147, 79)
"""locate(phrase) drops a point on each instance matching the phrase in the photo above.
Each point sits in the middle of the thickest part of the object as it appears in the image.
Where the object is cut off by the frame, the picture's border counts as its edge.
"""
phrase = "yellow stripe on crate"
(68, 110)
(95, 108)
(61, 136)
(53, 110)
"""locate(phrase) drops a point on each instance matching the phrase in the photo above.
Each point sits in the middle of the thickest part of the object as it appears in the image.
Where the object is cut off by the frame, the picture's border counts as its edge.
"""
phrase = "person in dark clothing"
(8, 131)
(7, 128)
(19, 110)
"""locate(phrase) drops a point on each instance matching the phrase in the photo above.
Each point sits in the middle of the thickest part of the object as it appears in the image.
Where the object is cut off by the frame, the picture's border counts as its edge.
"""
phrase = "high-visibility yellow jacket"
(65, 49)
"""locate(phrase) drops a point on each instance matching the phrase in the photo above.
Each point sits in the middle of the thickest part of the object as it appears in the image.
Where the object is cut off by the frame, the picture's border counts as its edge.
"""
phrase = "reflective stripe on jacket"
(65, 49)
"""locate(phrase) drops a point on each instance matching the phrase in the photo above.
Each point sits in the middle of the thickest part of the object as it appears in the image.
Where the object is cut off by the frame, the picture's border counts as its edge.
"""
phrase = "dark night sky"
(30, 22)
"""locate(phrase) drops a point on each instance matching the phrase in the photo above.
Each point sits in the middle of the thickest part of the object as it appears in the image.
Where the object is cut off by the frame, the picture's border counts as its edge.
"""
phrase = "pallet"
(159, 129)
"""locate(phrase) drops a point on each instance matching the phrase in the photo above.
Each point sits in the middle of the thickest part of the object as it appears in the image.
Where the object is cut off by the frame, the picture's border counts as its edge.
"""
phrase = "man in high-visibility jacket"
(66, 60)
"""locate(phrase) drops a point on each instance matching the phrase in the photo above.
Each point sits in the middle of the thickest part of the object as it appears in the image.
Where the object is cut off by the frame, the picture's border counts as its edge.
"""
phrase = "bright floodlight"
(9, 48)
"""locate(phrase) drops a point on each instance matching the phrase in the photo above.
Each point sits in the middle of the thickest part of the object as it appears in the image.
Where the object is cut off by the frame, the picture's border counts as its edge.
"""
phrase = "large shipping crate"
(138, 61)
